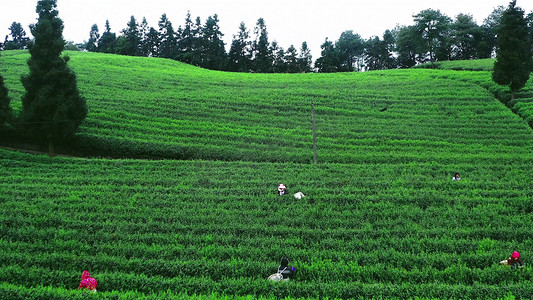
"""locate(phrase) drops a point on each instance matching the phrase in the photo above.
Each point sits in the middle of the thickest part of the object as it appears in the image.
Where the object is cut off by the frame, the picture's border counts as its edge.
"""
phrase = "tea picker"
(282, 190)
(284, 273)
(87, 282)
(514, 261)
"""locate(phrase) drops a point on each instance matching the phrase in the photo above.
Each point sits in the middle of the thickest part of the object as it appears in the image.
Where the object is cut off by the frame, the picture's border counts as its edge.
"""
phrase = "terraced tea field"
(382, 217)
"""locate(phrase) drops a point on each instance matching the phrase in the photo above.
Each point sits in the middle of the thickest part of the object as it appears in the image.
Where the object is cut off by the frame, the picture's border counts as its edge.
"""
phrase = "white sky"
(288, 21)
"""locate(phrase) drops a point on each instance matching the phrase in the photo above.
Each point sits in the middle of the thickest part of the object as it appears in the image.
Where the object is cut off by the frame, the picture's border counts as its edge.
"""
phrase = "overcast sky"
(288, 21)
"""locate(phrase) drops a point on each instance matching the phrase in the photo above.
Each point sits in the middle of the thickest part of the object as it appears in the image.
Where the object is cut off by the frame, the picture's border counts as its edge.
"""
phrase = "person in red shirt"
(87, 282)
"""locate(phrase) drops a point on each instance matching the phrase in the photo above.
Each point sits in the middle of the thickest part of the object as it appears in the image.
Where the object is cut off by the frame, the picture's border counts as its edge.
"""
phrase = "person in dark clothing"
(282, 190)
(286, 270)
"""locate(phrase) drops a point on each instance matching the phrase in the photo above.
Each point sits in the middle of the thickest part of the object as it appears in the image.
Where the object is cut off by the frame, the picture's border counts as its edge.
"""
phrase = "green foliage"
(382, 218)
(52, 106)
(240, 53)
(514, 60)
(328, 62)
(460, 65)
(130, 42)
(199, 227)
(410, 47)
(94, 36)
(19, 40)
(107, 42)
(349, 48)
(433, 27)
(213, 52)
(5, 109)
(466, 36)
(255, 117)
(167, 39)
(262, 55)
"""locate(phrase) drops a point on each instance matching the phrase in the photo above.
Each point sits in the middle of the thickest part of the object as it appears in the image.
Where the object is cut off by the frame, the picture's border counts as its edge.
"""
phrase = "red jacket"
(87, 281)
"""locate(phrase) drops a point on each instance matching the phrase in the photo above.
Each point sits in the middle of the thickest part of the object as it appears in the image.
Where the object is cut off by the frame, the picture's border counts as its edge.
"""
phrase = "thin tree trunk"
(51, 151)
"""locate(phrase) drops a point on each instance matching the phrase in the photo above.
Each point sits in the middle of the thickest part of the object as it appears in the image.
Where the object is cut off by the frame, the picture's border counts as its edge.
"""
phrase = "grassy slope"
(458, 65)
(522, 105)
(163, 108)
(390, 223)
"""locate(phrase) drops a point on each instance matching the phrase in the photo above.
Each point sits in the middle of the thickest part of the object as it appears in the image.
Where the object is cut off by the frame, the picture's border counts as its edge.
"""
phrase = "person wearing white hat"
(282, 190)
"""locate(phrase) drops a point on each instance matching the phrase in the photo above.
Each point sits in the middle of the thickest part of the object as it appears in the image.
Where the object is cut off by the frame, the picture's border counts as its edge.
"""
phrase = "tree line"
(433, 37)
(201, 44)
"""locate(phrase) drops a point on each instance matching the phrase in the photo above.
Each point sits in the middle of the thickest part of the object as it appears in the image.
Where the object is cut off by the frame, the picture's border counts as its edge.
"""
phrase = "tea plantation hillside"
(382, 217)
(142, 107)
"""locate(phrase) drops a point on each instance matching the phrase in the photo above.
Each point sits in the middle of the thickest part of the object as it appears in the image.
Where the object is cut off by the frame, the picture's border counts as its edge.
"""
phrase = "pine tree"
(198, 44)
(130, 42)
(240, 53)
(5, 110)
(186, 43)
(263, 58)
(152, 43)
(108, 40)
(214, 53)
(52, 108)
(278, 53)
(305, 59)
(487, 46)
(167, 39)
(329, 61)
(410, 47)
(291, 60)
(144, 29)
(513, 55)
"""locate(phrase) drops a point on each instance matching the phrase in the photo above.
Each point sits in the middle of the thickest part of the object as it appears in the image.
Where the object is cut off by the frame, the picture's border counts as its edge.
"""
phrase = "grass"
(461, 65)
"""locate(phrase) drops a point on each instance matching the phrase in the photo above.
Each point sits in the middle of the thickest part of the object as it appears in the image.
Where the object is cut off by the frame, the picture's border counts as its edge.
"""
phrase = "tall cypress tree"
(52, 108)
(513, 54)
(5, 110)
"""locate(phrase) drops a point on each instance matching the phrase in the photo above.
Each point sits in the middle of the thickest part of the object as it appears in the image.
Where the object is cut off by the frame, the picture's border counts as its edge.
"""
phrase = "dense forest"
(433, 37)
